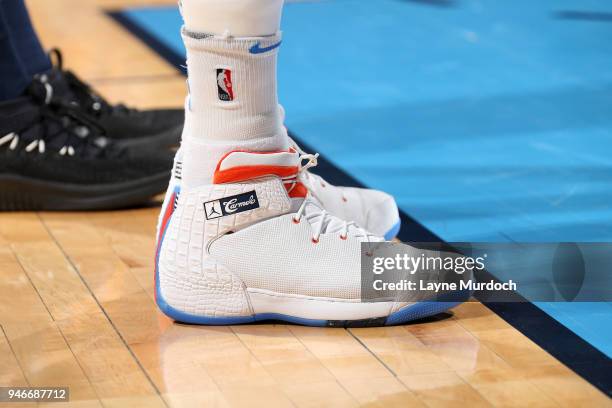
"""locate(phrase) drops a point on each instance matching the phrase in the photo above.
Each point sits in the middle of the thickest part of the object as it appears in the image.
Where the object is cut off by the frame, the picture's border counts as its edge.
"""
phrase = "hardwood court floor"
(77, 304)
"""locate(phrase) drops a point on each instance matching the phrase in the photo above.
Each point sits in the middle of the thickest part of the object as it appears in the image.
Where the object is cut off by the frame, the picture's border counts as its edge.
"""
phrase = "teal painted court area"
(488, 120)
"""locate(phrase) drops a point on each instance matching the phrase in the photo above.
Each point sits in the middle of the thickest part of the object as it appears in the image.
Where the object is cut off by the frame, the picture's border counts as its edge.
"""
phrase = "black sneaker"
(53, 158)
(163, 127)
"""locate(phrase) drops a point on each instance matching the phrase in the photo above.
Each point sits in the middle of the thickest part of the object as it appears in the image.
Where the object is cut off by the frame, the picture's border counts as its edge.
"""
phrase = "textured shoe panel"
(190, 280)
(282, 258)
(272, 198)
(190, 283)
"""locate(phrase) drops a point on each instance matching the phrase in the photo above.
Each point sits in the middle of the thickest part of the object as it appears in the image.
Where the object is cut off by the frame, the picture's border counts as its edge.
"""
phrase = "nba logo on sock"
(224, 85)
(231, 205)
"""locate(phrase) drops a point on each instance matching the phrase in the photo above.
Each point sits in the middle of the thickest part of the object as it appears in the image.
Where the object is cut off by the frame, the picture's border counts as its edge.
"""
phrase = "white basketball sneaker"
(373, 210)
(254, 245)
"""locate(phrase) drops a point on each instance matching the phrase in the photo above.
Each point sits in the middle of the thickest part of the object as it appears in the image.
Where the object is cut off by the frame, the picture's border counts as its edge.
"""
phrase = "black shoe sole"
(18, 193)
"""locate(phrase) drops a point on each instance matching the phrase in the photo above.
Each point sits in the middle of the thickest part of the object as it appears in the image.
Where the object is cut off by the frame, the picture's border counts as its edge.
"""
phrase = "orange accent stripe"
(299, 191)
(162, 230)
(244, 173)
(166, 217)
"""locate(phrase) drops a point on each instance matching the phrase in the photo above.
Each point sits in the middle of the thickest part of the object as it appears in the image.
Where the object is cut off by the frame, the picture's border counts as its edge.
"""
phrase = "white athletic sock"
(233, 102)
(199, 170)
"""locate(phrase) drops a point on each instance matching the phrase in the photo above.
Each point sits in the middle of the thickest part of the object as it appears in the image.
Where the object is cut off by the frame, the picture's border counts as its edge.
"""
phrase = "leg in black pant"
(21, 55)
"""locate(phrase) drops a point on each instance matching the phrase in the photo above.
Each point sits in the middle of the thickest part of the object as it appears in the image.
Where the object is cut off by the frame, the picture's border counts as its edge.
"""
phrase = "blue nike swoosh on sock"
(257, 49)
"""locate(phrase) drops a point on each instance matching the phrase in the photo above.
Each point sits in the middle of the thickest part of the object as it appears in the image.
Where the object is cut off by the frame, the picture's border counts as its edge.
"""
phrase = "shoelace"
(84, 94)
(306, 177)
(56, 121)
(327, 223)
(46, 120)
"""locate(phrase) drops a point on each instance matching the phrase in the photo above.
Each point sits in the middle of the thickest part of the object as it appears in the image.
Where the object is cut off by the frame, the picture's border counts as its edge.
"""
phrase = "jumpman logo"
(213, 210)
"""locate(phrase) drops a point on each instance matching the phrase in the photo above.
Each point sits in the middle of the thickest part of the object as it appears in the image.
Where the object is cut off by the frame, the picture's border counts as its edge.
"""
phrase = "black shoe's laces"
(85, 96)
(57, 126)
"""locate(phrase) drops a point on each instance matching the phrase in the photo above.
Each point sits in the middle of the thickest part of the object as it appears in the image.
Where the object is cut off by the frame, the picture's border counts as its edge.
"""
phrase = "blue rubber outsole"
(392, 233)
(407, 314)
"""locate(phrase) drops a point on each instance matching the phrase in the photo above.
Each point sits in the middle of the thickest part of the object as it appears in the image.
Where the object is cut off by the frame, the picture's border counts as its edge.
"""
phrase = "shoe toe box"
(374, 210)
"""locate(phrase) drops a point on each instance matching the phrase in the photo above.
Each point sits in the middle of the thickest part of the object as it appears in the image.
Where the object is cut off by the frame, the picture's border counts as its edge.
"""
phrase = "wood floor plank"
(10, 371)
(514, 348)
(145, 93)
(507, 387)
(58, 284)
(456, 346)
(120, 4)
(382, 392)
(143, 275)
(173, 362)
(494, 333)
(353, 366)
(302, 377)
(567, 389)
(318, 394)
(401, 350)
(416, 362)
(90, 39)
(538, 367)
(343, 356)
(11, 374)
(444, 389)
(282, 354)
(114, 374)
(41, 354)
(477, 364)
(78, 320)
(47, 360)
(20, 302)
(474, 316)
